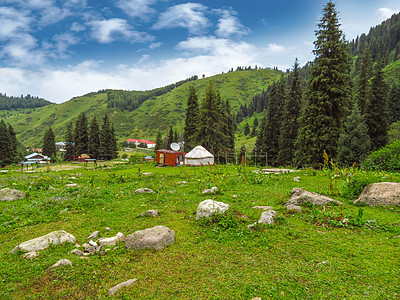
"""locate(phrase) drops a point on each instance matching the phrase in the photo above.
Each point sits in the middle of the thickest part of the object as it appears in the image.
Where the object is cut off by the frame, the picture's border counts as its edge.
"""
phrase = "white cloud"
(12, 22)
(276, 48)
(155, 45)
(189, 15)
(63, 41)
(77, 27)
(137, 8)
(107, 31)
(386, 13)
(229, 25)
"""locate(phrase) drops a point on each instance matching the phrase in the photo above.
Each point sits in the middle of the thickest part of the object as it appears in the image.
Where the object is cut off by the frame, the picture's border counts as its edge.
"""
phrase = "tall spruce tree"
(246, 130)
(376, 115)
(394, 103)
(6, 155)
(170, 137)
(69, 142)
(363, 86)
(354, 143)
(13, 142)
(290, 115)
(49, 143)
(260, 146)
(229, 127)
(94, 139)
(192, 120)
(327, 95)
(81, 135)
(108, 147)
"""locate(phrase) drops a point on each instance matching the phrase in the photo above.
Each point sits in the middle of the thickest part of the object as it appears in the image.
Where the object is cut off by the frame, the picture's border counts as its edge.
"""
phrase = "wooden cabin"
(170, 157)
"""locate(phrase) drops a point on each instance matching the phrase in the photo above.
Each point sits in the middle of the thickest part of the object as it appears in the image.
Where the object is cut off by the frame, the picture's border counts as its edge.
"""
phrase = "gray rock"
(263, 207)
(296, 178)
(77, 252)
(7, 194)
(152, 238)
(71, 185)
(144, 191)
(213, 190)
(293, 208)
(150, 213)
(107, 228)
(94, 235)
(381, 194)
(31, 255)
(62, 262)
(111, 241)
(119, 286)
(207, 207)
(43, 242)
(267, 217)
(147, 174)
(300, 196)
(94, 244)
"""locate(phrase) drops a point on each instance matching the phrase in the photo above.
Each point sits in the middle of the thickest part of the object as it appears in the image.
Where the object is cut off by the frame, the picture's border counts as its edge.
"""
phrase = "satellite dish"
(175, 147)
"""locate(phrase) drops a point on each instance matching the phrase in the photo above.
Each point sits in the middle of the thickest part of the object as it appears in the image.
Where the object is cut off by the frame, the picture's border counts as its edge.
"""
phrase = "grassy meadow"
(308, 255)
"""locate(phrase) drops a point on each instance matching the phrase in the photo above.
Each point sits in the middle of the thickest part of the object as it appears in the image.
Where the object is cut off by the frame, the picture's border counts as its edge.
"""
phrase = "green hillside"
(153, 115)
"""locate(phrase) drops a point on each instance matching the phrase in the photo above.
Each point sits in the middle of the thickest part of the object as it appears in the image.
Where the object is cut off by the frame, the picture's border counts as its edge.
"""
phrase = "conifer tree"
(376, 115)
(13, 141)
(229, 128)
(354, 143)
(69, 140)
(327, 95)
(290, 115)
(6, 156)
(159, 142)
(363, 86)
(394, 103)
(49, 143)
(253, 131)
(170, 138)
(246, 129)
(107, 140)
(94, 139)
(81, 135)
(260, 146)
(255, 123)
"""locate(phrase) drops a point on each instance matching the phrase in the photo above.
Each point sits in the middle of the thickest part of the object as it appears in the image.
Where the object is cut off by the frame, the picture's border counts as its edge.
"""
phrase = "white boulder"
(207, 207)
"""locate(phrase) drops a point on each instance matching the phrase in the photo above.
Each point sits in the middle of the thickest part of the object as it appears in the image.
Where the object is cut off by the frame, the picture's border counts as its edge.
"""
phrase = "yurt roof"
(199, 152)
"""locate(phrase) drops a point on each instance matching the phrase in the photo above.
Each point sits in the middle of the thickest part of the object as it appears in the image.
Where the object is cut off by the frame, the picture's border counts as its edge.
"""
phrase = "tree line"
(10, 151)
(11, 103)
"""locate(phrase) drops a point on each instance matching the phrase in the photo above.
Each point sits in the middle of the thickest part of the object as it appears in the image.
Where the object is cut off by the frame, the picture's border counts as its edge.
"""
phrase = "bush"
(385, 159)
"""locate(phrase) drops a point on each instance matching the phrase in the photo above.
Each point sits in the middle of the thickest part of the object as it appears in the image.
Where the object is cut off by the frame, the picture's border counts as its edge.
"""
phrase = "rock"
(293, 208)
(182, 182)
(147, 174)
(263, 207)
(275, 171)
(207, 207)
(150, 213)
(234, 196)
(267, 217)
(77, 252)
(151, 238)
(7, 194)
(119, 286)
(62, 262)
(43, 242)
(381, 194)
(31, 255)
(94, 235)
(296, 178)
(144, 191)
(213, 190)
(300, 196)
(71, 185)
(111, 241)
(107, 228)
(94, 244)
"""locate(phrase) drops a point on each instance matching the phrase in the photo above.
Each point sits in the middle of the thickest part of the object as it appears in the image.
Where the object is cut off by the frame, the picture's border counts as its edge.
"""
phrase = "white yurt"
(199, 156)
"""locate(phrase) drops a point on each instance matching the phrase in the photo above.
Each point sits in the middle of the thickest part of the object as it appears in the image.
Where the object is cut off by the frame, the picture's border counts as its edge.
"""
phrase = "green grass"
(303, 256)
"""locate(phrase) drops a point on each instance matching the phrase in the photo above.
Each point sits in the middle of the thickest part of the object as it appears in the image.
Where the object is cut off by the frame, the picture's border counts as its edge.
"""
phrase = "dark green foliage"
(94, 139)
(159, 142)
(192, 120)
(290, 115)
(354, 143)
(13, 141)
(385, 159)
(6, 154)
(394, 103)
(170, 138)
(261, 138)
(49, 143)
(108, 143)
(246, 129)
(255, 123)
(9, 103)
(376, 115)
(253, 131)
(81, 135)
(69, 140)
(363, 85)
(228, 127)
(327, 95)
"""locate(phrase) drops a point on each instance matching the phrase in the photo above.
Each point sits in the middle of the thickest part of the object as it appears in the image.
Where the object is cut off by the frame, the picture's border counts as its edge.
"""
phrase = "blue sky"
(62, 49)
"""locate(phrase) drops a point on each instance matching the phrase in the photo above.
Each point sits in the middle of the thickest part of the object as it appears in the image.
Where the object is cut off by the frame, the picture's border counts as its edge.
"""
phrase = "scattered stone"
(213, 190)
(71, 185)
(276, 171)
(267, 217)
(293, 208)
(182, 182)
(94, 235)
(77, 246)
(263, 207)
(207, 207)
(234, 196)
(300, 196)
(151, 238)
(381, 194)
(72, 178)
(31, 255)
(62, 262)
(43, 242)
(150, 213)
(147, 174)
(77, 252)
(296, 178)
(119, 286)
(111, 241)
(99, 249)
(7, 194)
(144, 191)
(107, 228)
(345, 221)
(94, 244)
(89, 248)
(78, 174)
(65, 210)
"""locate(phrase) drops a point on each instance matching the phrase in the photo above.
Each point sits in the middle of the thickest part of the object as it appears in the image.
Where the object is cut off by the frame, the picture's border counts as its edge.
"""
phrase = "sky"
(60, 49)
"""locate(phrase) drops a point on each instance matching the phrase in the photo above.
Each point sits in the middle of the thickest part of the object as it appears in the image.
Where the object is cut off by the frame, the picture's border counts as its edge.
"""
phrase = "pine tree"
(394, 103)
(253, 132)
(5, 147)
(81, 135)
(170, 138)
(13, 142)
(376, 115)
(49, 143)
(246, 129)
(327, 95)
(255, 123)
(108, 147)
(69, 140)
(229, 128)
(363, 86)
(290, 115)
(159, 142)
(260, 146)
(354, 143)
(94, 139)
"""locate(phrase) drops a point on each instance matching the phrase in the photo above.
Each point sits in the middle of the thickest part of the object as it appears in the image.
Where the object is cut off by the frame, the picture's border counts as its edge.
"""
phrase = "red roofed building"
(137, 142)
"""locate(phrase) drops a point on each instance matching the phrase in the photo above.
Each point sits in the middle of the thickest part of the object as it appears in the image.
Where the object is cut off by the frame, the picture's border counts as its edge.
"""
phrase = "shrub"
(385, 159)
